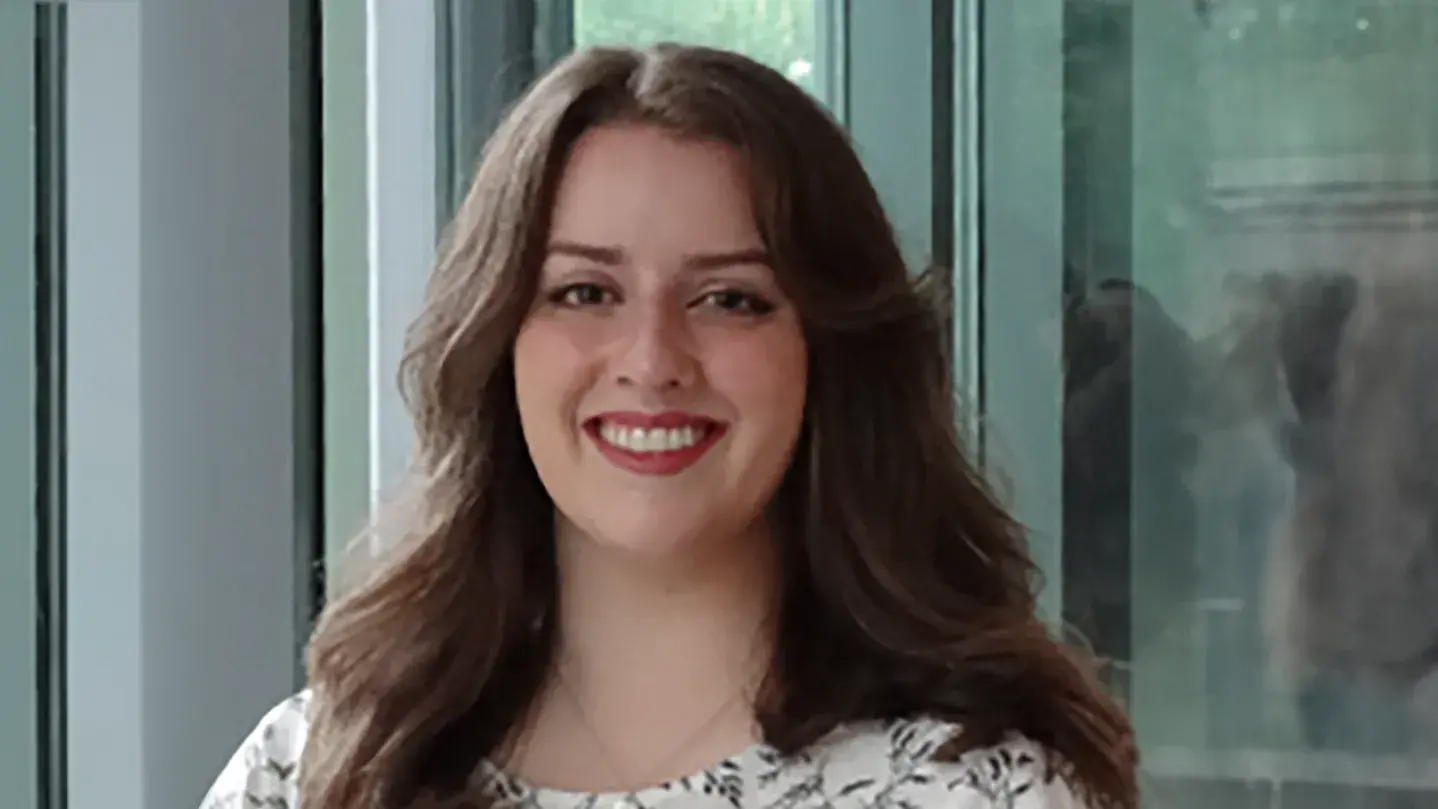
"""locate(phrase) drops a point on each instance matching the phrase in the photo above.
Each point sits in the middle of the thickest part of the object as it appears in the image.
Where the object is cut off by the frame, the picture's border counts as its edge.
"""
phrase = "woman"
(687, 490)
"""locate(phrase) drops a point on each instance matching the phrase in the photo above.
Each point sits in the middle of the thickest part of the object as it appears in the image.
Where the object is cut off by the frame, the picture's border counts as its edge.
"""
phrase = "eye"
(736, 301)
(581, 295)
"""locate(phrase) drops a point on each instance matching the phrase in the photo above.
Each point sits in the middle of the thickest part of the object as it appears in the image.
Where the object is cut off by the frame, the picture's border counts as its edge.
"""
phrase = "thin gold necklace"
(684, 745)
(618, 769)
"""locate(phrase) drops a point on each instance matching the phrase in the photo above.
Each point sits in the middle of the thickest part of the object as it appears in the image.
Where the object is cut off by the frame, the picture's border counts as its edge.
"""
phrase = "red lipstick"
(656, 444)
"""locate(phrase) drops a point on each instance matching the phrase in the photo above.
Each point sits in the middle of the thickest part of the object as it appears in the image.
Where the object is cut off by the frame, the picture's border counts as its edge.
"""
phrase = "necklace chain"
(685, 744)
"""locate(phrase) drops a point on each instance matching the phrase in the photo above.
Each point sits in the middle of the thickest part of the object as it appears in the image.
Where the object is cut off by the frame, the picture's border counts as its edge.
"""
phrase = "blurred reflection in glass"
(1250, 228)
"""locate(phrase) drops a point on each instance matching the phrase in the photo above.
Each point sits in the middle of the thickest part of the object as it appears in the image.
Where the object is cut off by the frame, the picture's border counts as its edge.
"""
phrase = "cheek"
(765, 377)
(549, 376)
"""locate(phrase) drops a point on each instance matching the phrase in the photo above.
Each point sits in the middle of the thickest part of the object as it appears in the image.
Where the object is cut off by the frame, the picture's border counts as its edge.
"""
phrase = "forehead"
(641, 188)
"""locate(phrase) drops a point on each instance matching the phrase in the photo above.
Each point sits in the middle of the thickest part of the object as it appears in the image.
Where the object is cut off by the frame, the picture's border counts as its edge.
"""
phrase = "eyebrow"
(696, 261)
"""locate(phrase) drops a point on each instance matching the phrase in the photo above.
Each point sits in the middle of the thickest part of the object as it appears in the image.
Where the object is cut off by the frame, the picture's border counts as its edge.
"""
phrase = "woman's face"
(661, 374)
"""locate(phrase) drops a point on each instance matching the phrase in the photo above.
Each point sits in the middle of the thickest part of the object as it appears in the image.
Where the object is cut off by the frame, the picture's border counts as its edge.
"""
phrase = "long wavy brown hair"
(908, 587)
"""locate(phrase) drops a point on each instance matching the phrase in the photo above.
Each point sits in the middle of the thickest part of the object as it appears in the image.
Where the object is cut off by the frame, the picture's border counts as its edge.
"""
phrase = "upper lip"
(669, 419)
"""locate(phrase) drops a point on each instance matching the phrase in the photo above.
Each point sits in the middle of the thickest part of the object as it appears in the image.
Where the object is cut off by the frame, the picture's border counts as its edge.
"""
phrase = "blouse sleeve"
(264, 771)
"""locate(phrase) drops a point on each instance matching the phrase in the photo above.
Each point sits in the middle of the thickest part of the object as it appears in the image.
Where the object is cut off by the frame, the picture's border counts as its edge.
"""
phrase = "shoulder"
(264, 771)
(898, 764)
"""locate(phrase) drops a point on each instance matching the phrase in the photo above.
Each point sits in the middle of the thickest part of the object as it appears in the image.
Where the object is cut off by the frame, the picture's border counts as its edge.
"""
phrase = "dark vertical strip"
(50, 400)
(942, 189)
(554, 32)
(307, 245)
(445, 91)
(487, 54)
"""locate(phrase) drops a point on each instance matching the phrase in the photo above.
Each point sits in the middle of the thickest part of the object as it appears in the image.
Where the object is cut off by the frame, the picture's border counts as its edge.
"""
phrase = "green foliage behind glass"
(779, 33)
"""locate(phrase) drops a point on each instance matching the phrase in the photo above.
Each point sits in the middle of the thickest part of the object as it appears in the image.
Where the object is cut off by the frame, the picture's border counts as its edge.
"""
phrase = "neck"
(705, 615)
(657, 664)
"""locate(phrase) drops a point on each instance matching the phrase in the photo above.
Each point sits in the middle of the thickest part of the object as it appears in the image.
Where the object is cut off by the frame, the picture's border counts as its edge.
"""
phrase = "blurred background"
(1192, 244)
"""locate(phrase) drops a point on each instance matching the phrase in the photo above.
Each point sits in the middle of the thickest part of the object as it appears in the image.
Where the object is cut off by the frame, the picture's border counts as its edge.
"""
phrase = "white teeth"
(646, 441)
(658, 439)
(681, 437)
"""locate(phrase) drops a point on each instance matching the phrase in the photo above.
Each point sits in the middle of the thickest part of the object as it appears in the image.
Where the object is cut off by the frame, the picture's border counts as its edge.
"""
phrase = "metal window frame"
(50, 401)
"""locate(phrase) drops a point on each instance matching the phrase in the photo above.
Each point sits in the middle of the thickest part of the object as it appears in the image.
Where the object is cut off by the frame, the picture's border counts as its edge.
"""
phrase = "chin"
(655, 534)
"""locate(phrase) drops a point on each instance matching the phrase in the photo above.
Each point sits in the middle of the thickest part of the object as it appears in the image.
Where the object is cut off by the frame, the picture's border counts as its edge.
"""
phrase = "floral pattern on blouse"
(869, 765)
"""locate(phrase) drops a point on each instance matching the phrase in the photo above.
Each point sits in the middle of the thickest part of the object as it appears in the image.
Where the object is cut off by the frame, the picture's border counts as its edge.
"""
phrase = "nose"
(658, 353)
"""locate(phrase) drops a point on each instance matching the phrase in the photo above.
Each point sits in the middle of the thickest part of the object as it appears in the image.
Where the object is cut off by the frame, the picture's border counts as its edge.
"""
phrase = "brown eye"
(581, 295)
(737, 302)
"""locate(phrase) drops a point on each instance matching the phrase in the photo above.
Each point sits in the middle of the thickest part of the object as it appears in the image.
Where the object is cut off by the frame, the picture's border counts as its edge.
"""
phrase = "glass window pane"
(783, 34)
(1211, 351)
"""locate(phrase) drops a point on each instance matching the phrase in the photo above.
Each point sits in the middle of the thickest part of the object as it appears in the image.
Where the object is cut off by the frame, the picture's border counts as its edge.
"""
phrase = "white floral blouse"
(867, 766)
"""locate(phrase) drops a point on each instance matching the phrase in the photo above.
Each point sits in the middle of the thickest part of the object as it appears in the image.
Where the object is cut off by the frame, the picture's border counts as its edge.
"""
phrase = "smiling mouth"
(653, 439)
(662, 445)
